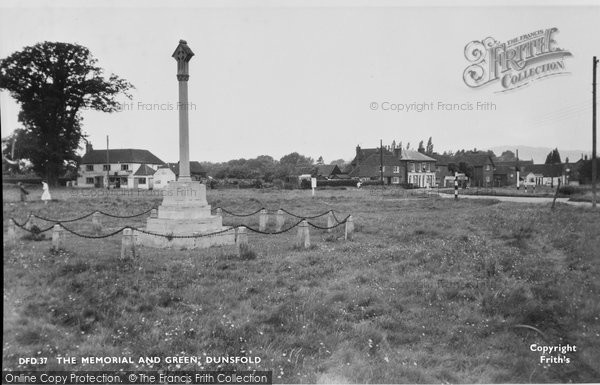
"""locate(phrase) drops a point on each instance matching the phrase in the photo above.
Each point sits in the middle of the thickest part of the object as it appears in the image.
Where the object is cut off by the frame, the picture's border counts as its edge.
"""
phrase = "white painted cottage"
(121, 168)
(163, 176)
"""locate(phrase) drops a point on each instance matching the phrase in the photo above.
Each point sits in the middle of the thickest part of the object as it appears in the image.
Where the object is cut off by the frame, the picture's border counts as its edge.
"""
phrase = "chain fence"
(36, 230)
(89, 215)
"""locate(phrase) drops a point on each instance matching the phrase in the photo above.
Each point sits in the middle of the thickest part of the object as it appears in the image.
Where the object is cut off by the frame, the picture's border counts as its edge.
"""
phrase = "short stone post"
(11, 237)
(30, 222)
(154, 213)
(127, 244)
(303, 237)
(262, 220)
(197, 240)
(219, 212)
(241, 240)
(56, 237)
(349, 228)
(96, 224)
(330, 221)
(279, 220)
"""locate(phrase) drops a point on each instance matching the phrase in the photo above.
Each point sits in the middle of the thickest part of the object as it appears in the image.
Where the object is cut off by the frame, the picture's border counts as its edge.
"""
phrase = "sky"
(314, 77)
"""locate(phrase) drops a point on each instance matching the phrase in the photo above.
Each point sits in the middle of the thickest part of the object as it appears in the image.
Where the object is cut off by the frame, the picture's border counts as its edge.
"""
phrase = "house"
(481, 165)
(163, 176)
(118, 168)
(397, 165)
(443, 176)
(419, 168)
(483, 168)
(326, 171)
(370, 169)
(546, 175)
(143, 177)
(505, 172)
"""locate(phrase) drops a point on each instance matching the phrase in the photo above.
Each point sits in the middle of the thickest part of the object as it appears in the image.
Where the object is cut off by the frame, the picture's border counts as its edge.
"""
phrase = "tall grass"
(427, 291)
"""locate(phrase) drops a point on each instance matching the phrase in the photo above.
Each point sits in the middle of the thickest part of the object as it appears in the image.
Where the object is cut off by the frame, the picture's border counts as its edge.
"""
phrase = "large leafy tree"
(288, 163)
(53, 82)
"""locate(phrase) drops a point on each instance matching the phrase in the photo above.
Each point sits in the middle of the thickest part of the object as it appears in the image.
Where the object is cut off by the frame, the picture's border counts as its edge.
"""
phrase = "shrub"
(337, 183)
(372, 183)
(569, 190)
(34, 234)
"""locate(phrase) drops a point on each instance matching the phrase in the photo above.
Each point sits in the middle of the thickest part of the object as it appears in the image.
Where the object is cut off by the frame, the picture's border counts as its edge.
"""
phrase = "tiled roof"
(476, 159)
(375, 160)
(472, 159)
(144, 170)
(370, 166)
(547, 170)
(416, 156)
(513, 163)
(327, 169)
(126, 155)
(443, 160)
(364, 153)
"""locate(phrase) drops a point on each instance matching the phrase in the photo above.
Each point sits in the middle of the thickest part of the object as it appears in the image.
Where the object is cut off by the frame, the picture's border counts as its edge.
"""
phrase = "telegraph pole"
(107, 166)
(594, 161)
(381, 161)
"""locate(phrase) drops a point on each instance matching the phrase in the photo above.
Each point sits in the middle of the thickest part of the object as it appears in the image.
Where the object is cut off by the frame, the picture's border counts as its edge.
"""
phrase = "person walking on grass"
(22, 192)
(46, 193)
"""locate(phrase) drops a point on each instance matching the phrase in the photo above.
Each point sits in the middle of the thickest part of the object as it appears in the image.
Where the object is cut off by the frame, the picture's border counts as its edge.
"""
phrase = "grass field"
(429, 290)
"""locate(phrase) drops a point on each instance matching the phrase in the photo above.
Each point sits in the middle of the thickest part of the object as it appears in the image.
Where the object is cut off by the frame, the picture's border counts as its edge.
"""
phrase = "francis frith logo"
(515, 63)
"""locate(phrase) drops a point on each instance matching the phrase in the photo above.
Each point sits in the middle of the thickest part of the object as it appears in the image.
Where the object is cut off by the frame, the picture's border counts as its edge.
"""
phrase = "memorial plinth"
(184, 211)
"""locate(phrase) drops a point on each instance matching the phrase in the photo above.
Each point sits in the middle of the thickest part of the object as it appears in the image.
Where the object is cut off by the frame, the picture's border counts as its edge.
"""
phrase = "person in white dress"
(46, 194)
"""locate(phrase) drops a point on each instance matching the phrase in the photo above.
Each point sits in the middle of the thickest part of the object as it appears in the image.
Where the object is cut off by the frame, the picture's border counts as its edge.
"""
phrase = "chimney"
(358, 154)
(88, 147)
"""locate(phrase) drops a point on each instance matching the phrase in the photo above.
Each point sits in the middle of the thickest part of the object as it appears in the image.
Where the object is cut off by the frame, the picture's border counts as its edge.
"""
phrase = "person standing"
(46, 193)
(22, 192)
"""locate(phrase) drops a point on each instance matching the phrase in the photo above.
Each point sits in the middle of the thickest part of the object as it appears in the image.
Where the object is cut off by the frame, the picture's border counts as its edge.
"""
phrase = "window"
(395, 180)
(487, 167)
(142, 181)
(106, 167)
(396, 170)
(89, 167)
(124, 167)
(426, 167)
(89, 180)
(412, 167)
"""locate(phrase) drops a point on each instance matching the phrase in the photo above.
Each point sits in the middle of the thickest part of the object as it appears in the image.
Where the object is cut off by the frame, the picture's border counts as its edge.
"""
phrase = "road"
(519, 199)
